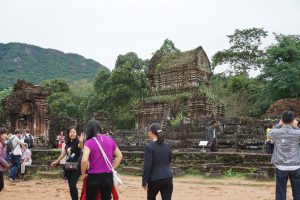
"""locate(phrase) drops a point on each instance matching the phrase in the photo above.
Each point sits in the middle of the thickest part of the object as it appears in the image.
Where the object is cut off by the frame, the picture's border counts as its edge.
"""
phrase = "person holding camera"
(286, 156)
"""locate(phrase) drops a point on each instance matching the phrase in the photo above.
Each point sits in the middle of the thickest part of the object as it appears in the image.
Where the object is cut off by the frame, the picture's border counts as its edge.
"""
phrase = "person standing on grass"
(3, 163)
(157, 175)
(286, 156)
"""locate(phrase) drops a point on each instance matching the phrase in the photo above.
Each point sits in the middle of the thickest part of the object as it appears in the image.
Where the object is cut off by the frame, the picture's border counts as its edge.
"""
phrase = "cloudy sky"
(101, 30)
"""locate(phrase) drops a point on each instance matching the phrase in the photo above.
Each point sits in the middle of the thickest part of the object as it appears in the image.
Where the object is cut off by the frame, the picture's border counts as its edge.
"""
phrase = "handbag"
(71, 166)
(116, 177)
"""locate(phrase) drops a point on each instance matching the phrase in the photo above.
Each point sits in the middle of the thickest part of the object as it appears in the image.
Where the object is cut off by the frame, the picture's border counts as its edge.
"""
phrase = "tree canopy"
(244, 53)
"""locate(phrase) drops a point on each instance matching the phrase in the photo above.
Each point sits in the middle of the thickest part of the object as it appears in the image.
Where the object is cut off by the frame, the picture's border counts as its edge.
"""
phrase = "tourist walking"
(72, 151)
(157, 175)
(212, 136)
(15, 153)
(100, 177)
(3, 163)
(286, 156)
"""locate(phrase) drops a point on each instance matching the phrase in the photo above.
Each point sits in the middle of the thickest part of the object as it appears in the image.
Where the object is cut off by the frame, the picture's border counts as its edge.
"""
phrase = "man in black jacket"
(212, 136)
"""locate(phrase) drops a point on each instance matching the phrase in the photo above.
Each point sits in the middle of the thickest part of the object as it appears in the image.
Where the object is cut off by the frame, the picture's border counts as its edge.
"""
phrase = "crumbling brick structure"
(178, 87)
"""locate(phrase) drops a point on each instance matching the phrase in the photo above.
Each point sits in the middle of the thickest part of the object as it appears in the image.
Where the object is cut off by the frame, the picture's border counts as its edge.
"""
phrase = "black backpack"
(9, 145)
(29, 141)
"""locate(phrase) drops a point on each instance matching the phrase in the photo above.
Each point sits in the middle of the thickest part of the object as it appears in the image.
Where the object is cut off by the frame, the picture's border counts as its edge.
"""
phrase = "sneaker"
(10, 179)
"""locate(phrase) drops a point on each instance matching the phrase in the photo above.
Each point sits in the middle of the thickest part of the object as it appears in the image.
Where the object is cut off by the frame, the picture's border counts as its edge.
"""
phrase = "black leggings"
(73, 176)
(102, 182)
(165, 187)
(1, 181)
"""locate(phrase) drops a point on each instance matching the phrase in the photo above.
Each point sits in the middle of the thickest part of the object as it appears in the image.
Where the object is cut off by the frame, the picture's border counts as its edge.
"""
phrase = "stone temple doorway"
(27, 108)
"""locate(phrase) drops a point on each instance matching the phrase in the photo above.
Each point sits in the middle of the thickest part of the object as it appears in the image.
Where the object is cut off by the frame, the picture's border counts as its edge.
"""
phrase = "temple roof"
(193, 58)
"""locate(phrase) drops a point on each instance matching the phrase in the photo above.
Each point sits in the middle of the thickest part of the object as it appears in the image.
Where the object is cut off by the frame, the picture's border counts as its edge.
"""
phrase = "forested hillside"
(36, 64)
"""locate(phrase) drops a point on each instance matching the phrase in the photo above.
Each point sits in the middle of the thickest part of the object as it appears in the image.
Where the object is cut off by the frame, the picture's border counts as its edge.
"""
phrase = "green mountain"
(36, 64)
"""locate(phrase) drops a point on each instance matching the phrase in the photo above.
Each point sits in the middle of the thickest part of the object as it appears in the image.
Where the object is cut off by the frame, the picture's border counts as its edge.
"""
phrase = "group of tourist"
(88, 151)
(14, 151)
(85, 155)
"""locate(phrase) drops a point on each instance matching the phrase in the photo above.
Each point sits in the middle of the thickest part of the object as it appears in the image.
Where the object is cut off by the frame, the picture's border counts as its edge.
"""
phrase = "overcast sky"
(101, 30)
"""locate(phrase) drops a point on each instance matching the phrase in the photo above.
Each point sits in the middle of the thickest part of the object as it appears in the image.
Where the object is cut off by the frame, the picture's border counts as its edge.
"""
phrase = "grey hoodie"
(287, 146)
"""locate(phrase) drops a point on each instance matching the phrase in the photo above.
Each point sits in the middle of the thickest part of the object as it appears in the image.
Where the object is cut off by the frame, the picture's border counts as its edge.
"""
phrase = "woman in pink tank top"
(99, 176)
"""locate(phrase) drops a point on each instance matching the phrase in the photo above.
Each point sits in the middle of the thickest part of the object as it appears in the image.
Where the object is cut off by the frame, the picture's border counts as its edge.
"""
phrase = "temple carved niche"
(27, 108)
(178, 87)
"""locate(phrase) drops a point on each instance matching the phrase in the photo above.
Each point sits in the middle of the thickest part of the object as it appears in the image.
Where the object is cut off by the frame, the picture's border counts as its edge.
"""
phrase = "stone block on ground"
(133, 170)
(52, 174)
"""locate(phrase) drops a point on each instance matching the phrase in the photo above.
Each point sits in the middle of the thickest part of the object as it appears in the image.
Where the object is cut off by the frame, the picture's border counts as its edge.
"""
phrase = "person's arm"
(62, 155)
(85, 160)
(147, 166)
(2, 160)
(19, 141)
(118, 158)
(26, 158)
(80, 144)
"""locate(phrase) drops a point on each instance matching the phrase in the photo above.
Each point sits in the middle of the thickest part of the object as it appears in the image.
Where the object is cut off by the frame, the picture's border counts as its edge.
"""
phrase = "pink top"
(27, 156)
(96, 161)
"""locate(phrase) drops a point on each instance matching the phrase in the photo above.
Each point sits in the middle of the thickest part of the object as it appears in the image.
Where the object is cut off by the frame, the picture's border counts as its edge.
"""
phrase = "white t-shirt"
(16, 145)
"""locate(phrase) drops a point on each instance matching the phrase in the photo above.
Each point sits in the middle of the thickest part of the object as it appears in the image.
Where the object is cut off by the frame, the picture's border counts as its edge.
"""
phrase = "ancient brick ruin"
(275, 110)
(178, 86)
(27, 108)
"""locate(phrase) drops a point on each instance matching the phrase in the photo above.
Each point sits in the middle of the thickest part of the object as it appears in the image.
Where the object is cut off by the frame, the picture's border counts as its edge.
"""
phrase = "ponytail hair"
(156, 129)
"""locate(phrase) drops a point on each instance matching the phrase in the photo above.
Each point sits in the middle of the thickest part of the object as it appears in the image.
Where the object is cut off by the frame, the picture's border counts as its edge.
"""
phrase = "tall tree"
(244, 53)
(117, 91)
(167, 47)
(130, 59)
(282, 67)
(56, 85)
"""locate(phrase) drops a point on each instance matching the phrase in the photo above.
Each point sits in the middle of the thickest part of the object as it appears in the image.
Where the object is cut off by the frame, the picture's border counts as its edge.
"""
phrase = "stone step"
(133, 170)
(139, 170)
(50, 174)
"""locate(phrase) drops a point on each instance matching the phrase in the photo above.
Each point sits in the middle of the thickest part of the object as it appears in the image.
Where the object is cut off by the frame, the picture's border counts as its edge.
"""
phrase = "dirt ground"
(185, 188)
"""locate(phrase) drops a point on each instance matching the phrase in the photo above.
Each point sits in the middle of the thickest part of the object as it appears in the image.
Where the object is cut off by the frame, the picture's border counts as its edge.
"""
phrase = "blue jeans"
(15, 161)
(281, 183)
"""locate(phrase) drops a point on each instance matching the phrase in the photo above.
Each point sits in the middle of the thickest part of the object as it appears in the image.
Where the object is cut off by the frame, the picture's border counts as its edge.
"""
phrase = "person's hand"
(81, 137)
(55, 163)
(6, 167)
(145, 187)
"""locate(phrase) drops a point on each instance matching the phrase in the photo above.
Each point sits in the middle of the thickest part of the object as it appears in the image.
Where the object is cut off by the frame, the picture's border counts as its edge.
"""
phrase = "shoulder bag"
(116, 177)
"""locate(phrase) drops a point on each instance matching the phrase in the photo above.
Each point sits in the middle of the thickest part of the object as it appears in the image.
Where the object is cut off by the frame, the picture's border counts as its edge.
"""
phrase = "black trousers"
(213, 147)
(73, 176)
(281, 183)
(165, 187)
(270, 147)
(102, 182)
(1, 181)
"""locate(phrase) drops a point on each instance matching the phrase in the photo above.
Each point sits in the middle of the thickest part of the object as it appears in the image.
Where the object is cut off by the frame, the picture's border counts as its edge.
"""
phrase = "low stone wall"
(186, 162)
(235, 134)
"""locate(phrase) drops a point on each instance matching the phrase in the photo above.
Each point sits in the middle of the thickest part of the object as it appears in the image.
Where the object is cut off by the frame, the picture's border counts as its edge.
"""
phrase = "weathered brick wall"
(193, 162)
(234, 135)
